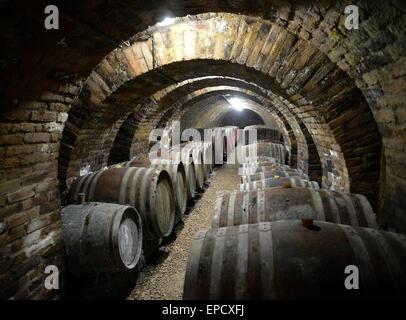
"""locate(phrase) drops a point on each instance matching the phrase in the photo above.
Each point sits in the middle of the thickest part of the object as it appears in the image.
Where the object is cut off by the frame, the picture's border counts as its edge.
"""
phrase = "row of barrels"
(112, 212)
(282, 237)
(221, 139)
(263, 149)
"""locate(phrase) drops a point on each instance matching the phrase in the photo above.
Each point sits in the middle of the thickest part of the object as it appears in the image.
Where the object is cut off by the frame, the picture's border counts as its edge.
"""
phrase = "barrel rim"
(81, 238)
(120, 215)
(162, 175)
(180, 168)
(191, 185)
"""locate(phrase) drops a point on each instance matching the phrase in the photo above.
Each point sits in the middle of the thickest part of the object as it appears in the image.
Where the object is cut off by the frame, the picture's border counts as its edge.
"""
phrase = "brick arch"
(285, 116)
(166, 97)
(140, 131)
(341, 166)
(96, 95)
(177, 110)
(203, 112)
(309, 72)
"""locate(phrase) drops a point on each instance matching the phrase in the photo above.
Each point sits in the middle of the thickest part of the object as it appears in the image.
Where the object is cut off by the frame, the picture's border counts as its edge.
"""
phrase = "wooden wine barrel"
(281, 182)
(101, 237)
(179, 156)
(207, 150)
(292, 203)
(274, 175)
(150, 191)
(220, 142)
(286, 260)
(263, 149)
(197, 156)
(247, 171)
(178, 177)
(205, 163)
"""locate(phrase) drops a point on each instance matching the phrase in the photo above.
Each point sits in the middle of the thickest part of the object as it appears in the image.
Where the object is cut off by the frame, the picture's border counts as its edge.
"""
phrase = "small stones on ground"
(164, 280)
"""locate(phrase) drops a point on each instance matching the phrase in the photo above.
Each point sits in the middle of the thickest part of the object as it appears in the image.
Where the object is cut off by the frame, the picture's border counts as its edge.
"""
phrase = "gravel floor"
(164, 279)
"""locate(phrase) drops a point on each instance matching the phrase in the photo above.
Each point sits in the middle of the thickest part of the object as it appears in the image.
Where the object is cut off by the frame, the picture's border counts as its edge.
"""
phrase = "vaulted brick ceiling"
(294, 77)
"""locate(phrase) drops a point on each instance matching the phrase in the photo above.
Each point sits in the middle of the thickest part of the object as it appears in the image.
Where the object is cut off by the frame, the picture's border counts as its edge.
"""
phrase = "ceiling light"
(237, 104)
(166, 22)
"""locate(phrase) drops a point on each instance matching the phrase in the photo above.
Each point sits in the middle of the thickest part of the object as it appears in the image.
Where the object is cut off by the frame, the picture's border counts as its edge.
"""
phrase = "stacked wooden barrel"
(178, 175)
(149, 190)
(115, 213)
(281, 237)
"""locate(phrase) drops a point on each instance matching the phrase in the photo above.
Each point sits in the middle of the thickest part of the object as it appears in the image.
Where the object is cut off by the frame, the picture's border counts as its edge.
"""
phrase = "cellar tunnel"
(87, 96)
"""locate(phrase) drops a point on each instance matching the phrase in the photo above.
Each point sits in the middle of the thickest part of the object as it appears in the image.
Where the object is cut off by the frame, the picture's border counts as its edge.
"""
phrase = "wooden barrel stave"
(254, 170)
(178, 156)
(281, 182)
(207, 150)
(177, 173)
(273, 204)
(101, 237)
(137, 187)
(187, 153)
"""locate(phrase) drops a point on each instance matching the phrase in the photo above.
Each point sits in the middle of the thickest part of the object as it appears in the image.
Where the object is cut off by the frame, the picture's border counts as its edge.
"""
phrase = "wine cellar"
(203, 150)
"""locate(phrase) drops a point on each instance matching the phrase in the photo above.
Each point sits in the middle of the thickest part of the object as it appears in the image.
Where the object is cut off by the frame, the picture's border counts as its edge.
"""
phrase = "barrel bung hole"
(308, 223)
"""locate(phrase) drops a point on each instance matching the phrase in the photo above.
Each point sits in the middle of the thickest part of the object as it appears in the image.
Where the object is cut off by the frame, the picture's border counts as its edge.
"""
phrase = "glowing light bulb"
(166, 22)
(237, 104)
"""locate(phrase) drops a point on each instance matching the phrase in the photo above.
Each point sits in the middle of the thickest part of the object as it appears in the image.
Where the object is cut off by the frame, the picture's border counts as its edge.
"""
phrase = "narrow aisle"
(165, 279)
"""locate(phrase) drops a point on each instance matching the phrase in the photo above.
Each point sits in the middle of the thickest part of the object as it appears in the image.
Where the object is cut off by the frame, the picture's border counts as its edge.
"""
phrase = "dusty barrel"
(263, 133)
(178, 176)
(292, 203)
(101, 237)
(150, 191)
(281, 182)
(204, 149)
(262, 149)
(197, 155)
(246, 171)
(177, 156)
(273, 175)
(286, 260)
(207, 150)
